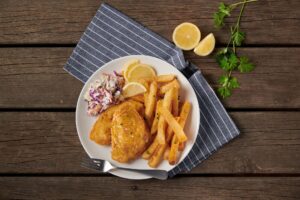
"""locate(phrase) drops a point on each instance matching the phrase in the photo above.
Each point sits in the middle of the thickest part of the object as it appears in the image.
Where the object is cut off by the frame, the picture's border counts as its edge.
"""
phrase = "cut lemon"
(129, 65)
(141, 71)
(186, 36)
(133, 88)
(206, 46)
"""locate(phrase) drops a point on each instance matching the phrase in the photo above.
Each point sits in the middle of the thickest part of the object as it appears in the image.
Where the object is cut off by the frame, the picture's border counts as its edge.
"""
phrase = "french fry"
(148, 153)
(156, 158)
(139, 98)
(184, 113)
(166, 153)
(161, 127)
(170, 132)
(181, 146)
(168, 86)
(156, 117)
(146, 98)
(178, 130)
(150, 103)
(173, 150)
(167, 102)
(175, 103)
(165, 78)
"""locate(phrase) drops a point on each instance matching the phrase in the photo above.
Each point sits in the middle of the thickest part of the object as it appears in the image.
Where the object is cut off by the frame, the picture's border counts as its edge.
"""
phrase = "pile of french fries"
(166, 118)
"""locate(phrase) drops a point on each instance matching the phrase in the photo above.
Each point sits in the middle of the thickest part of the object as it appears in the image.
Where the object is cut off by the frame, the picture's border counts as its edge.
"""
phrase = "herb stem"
(240, 15)
(242, 2)
(237, 26)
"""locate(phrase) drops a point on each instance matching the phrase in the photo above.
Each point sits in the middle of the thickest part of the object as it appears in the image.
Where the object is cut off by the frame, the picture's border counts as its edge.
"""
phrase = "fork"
(105, 166)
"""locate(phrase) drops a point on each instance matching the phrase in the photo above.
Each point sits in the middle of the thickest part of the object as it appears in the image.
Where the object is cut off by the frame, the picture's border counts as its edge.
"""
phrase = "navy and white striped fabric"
(111, 35)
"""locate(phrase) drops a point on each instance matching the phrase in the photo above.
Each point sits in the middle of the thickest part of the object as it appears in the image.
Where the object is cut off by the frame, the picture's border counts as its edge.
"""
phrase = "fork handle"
(158, 174)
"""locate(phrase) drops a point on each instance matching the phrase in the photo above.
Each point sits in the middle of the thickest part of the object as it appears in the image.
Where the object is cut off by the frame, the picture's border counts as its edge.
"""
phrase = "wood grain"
(63, 22)
(46, 142)
(34, 78)
(177, 188)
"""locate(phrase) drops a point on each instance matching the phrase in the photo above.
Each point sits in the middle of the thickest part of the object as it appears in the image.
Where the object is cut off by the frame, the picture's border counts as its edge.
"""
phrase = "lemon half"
(186, 36)
(206, 46)
(133, 88)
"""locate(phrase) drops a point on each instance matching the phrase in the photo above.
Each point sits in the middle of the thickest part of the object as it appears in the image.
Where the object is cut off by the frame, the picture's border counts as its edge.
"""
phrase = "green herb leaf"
(224, 92)
(219, 16)
(219, 19)
(224, 9)
(238, 37)
(233, 61)
(227, 61)
(233, 83)
(245, 65)
(223, 80)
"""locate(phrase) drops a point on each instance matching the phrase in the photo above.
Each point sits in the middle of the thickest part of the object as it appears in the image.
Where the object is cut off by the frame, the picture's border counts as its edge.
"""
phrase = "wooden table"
(40, 151)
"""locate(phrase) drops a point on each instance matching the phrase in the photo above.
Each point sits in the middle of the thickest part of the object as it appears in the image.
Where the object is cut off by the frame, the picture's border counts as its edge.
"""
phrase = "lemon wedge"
(129, 65)
(186, 36)
(206, 46)
(141, 71)
(133, 88)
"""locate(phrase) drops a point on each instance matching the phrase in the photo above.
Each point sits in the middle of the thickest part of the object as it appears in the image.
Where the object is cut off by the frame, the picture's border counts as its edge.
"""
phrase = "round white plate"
(84, 122)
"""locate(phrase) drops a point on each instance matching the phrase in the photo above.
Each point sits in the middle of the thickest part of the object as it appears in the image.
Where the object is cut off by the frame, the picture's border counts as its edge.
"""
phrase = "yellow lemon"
(186, 36)
(141, 71)
(132, 89)
(206, 46)
(129, 65)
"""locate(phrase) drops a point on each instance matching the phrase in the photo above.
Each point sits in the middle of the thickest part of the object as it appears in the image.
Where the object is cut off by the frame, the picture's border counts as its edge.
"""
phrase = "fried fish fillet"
(130, 134)
(101, 131)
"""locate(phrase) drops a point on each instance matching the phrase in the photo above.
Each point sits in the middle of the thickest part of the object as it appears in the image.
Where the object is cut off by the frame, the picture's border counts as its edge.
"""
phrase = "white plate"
(84, 122)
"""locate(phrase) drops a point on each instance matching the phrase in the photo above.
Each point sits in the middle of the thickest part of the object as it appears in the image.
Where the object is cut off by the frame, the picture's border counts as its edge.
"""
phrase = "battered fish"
(130, 135)
(101, 131)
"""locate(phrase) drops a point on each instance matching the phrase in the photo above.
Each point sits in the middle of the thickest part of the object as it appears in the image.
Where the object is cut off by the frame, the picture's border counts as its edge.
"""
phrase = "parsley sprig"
(227, 57)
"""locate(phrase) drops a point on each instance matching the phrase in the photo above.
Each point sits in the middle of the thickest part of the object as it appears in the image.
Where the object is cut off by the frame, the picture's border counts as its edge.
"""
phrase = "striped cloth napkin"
(111, 35)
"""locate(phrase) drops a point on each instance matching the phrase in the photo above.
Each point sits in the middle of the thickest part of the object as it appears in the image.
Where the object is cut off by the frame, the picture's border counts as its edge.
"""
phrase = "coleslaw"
(104, 92)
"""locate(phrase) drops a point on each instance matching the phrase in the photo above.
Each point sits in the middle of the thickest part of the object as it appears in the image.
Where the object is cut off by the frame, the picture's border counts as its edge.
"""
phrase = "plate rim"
(120, 173)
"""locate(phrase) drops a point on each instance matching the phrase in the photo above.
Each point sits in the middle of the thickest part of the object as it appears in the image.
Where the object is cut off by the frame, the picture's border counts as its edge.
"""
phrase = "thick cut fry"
(165, 88)
(167, 102)
(184, 113)
(156, 158)
(165, 78)
(166, 154)
(170, 132)
(146, 98)
(161, 129)
(150, 103)
(156, 117)
(173, 150)
(139, 98)
(178, 130)
(185, 110)
(148, 153)
(175, 102)
(181, 146)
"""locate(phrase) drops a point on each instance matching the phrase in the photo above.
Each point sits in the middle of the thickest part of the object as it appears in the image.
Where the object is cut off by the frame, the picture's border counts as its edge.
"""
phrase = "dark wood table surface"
(40, 152)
